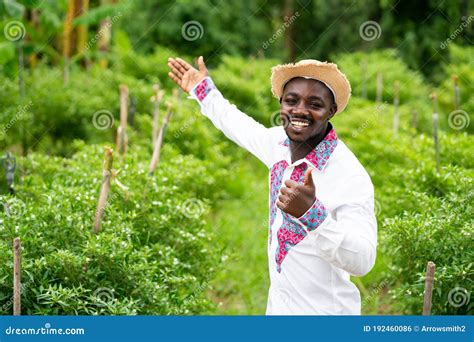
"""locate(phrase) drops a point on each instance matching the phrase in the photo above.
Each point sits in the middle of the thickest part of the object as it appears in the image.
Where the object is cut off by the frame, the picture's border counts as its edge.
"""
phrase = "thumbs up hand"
(185, 75)
(295, 199)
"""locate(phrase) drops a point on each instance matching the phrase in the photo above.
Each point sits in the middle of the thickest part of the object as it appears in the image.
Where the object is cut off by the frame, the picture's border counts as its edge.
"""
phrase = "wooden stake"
(104, 191)
(379, 87)
(17, 277)
(122, 138)
(414, 114)
(430, 271)
(156, 99)
(396, 101)
(364, 78)
(434, 97)
(457, 95)
(159, 140)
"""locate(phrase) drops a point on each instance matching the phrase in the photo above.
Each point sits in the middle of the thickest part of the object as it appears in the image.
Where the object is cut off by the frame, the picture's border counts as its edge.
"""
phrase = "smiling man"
(322, 227)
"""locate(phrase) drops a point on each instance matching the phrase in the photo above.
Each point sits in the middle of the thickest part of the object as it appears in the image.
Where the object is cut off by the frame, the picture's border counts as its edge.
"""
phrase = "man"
(322, 223)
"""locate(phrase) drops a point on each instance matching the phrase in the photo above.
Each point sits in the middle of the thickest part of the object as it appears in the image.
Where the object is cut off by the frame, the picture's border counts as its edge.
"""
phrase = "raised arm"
(236, 125)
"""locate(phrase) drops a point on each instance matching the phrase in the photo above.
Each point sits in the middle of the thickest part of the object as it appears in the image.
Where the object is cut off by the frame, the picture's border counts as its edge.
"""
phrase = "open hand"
(185, 75)
(295, 199)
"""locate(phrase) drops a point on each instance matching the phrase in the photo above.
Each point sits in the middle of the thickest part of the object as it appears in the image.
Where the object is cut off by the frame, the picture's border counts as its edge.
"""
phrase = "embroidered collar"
(321, 153)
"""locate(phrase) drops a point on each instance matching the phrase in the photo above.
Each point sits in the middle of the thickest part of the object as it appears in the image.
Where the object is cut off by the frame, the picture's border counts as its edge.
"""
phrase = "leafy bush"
(153, 255)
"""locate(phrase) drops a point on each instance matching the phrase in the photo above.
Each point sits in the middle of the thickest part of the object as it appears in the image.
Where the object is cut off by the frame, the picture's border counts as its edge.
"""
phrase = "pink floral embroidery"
(203, 88)
(291, 231)
(276, 176)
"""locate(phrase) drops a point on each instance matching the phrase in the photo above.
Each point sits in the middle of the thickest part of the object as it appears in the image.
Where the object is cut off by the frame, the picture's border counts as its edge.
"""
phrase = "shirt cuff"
(202, 89)
(314, 216)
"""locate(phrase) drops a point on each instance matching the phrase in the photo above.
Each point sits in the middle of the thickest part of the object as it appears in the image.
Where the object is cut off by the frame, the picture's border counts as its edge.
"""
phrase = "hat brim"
(327, 73)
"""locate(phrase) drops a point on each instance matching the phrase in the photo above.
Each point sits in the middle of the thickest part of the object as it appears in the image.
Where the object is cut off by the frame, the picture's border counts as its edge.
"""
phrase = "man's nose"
(300, 108)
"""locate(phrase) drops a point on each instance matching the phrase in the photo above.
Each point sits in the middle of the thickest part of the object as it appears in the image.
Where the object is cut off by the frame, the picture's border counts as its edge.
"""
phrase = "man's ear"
(332, 110)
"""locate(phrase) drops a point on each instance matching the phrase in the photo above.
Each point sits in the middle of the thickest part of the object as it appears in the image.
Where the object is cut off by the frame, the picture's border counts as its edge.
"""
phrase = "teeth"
(300, 123)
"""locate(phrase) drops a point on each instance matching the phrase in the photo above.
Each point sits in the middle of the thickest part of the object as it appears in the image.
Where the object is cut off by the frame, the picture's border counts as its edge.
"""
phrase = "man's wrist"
(202, 89)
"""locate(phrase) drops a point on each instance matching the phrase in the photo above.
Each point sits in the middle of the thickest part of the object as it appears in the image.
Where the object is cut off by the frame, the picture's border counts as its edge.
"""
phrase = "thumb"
(201, 65)
(308, 179)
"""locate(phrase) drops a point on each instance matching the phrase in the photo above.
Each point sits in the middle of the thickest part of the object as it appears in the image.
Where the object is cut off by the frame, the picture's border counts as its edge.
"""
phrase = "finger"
(291, 184)
(285, 191)
(185, 65)
(283, 199)
(201, 65)
(174, 78)
(280, 205)
(308, 178)
(175, 68)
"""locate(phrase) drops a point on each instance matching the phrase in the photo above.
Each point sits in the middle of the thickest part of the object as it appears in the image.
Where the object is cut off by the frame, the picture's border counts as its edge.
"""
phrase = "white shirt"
(310, 258)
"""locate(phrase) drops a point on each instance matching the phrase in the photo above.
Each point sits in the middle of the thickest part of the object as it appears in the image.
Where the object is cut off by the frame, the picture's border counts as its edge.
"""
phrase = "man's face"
(305, 108)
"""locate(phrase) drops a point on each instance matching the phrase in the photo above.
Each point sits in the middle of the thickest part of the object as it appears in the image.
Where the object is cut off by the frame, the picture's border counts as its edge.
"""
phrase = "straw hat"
(328, 73)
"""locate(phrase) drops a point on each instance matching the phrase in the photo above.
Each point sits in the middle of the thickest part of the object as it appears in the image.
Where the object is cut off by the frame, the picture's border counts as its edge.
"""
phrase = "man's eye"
(315, 105)
(290, 101)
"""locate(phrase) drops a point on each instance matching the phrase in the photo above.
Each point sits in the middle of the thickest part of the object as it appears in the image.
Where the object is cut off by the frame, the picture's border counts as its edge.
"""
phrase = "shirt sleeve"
(349, 239)
(236, 125)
